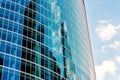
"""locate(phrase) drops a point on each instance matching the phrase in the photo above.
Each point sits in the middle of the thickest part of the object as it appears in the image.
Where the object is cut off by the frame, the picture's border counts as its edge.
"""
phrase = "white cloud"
(103, 48)
(107, 67)
(118, 59)
(114, 45)
(106, 30)
(118, 77)
(103, 22)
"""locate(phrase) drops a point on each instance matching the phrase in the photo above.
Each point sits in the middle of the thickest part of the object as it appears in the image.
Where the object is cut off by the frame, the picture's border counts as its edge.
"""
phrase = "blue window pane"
(5, 24)
(1, 12)
(21, 19)
(11, 16)
(15, 29)
(19, 40)
(14, 38)
(8, 47)
(4, 34)
(19, 50)
(11, 75)
(2, 47)
(9, 37)
(17, 77)
(6, 14)
(12, 62)
(3, 4)
(10, 26)
(12, 6)
(17, 64)
(7, 5)
(13, 50)
(5, 75)
(20, 30)
(6, 61)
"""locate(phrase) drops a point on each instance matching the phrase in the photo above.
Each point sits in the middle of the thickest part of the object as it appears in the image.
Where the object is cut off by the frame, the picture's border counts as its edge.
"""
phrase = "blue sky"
(104, 26)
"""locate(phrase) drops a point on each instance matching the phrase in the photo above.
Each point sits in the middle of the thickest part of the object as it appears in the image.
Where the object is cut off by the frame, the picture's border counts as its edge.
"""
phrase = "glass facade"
(44, 40)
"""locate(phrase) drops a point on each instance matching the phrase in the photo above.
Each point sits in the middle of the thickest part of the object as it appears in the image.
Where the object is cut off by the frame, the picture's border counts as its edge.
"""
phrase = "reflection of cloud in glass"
(55, 9)
(56, 40)
(65, 26)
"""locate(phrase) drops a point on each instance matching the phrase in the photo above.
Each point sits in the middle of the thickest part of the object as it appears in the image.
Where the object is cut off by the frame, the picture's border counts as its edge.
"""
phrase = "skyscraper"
(44, 40)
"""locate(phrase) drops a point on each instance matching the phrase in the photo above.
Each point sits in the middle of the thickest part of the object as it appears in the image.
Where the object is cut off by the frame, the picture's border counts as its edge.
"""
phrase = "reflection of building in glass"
(66, 52)
(44, 39)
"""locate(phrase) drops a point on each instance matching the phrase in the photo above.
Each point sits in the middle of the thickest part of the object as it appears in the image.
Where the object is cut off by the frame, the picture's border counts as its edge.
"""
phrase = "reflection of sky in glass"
(55, 9)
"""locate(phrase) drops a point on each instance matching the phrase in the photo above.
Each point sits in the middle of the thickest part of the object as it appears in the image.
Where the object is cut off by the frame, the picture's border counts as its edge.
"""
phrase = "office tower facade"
(44, 40)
